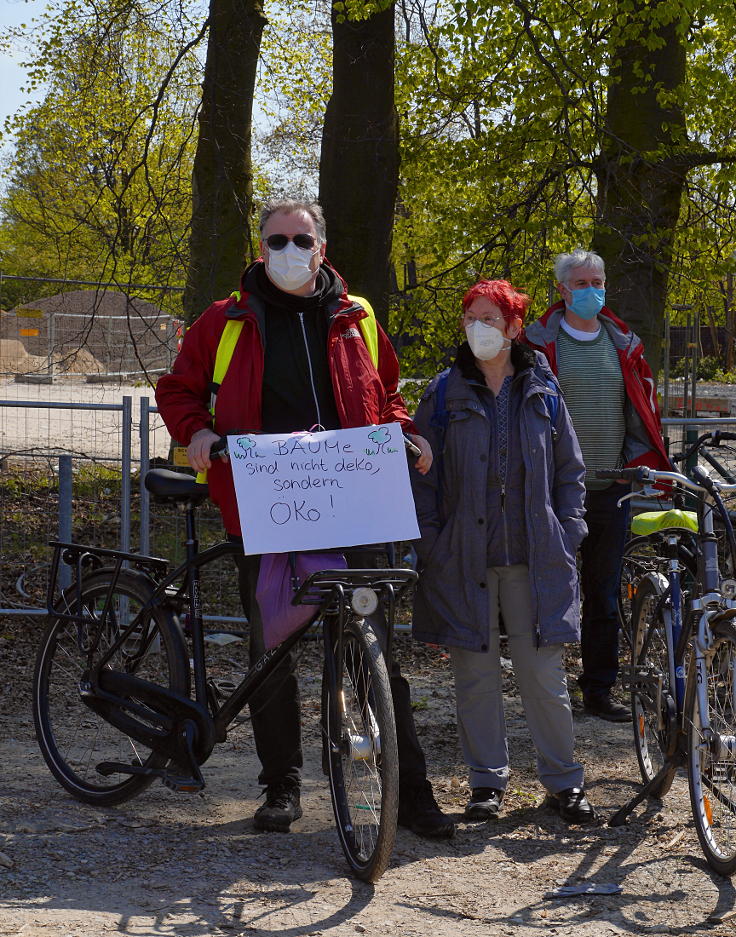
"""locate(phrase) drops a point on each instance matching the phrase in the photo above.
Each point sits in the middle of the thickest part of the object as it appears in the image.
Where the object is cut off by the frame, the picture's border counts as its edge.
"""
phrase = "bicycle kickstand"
(194, 781)
(651, 789)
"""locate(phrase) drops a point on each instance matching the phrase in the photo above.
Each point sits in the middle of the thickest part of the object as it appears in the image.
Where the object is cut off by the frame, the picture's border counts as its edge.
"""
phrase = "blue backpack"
(441, 417)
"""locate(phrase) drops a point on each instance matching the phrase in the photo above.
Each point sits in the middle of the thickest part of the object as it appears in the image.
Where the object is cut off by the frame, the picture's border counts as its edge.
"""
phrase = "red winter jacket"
(643, 443)
(363, 394)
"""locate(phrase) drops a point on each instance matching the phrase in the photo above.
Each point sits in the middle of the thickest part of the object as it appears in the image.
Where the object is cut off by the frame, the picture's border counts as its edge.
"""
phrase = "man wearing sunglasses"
(300, 361)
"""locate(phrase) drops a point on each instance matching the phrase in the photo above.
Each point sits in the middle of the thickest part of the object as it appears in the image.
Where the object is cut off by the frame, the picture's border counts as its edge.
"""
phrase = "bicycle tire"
(712, 782)
(360, 749)
(651, 695)
(73, 738)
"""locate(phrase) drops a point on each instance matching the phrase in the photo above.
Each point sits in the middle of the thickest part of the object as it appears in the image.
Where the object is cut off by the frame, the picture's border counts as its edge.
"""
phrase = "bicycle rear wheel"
(652, 705)
(72, 737)
(711, 753)
(360, 748)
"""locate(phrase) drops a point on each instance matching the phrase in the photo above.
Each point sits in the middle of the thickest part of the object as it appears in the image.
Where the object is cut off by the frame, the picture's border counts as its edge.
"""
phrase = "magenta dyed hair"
(513, 305)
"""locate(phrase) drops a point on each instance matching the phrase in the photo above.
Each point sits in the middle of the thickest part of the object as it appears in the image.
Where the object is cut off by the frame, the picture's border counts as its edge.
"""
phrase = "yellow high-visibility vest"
(231, 334)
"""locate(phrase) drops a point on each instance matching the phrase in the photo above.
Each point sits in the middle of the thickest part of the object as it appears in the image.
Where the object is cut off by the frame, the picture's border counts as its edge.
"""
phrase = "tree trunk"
(359, 163)
(640, 178)
(730, 321)
(222, 177)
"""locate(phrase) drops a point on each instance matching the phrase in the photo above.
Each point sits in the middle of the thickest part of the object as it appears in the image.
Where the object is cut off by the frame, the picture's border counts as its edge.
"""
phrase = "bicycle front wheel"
(360, 748)
(652, 705)
(72, 737)
(711, 752)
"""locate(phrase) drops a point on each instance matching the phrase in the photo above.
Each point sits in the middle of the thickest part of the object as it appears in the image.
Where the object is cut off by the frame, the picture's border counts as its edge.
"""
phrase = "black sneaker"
(281, 808)
(418, 811)
(484, 803)
(607, 708)
(572, 805)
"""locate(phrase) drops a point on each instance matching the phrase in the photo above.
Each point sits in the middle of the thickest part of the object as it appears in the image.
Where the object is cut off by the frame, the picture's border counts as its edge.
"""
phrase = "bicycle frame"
(327, 590)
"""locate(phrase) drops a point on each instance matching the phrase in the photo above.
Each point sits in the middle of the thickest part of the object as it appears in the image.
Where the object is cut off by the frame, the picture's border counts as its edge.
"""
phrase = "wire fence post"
(125, 482)
(65, 513)
(145, 498)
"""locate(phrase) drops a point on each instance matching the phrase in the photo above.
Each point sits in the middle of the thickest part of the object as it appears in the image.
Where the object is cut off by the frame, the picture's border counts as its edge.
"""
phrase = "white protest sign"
(311, 491)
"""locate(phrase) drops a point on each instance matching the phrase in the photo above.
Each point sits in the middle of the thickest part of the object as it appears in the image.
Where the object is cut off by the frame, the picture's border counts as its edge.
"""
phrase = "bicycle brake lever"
(648, 491)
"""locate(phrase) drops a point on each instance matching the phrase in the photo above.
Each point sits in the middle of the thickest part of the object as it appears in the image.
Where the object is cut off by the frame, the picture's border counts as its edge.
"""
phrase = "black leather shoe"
(606, 708)
(572, 805)
(418, 811)
(484, 804)
(282, 807)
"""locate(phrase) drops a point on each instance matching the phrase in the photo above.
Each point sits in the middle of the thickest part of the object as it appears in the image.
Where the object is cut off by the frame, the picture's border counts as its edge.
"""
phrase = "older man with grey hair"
(611, 395)
(300, 359)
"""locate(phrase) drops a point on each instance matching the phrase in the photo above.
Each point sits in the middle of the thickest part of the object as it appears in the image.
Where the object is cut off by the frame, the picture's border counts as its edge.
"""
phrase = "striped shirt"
(590, 376)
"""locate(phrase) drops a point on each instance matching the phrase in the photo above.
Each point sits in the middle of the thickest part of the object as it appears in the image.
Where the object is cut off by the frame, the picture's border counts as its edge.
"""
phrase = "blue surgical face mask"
(587, 302)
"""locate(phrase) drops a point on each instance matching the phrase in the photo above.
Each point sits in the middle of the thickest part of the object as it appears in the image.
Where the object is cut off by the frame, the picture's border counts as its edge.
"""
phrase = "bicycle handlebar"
(643, 474)
(711, 439)
(625, 474)
(218, 449)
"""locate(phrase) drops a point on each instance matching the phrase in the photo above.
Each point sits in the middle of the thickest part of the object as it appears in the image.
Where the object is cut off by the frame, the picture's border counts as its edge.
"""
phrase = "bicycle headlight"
(364, 601)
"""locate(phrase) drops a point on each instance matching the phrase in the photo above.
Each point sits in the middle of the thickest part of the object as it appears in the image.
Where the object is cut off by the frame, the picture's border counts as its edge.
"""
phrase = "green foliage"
(503, 110)
(294, 84)
(101, 172)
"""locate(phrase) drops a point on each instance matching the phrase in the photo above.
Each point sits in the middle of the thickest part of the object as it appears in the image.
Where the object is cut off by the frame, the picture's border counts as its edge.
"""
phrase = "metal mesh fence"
(88, 335)
(106, 445)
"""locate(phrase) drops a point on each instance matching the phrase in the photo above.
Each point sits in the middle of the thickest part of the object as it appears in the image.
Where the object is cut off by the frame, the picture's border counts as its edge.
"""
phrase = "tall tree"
(222, 180)
(642, 164)
(359, 164)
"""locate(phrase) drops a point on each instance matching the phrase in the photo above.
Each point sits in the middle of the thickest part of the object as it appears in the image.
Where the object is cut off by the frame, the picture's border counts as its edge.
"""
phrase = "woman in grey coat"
(501, 518)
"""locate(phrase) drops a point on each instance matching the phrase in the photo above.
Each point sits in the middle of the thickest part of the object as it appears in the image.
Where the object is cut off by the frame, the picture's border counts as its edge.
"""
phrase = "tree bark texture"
(639, 175)
(222, 176)
(359, 163)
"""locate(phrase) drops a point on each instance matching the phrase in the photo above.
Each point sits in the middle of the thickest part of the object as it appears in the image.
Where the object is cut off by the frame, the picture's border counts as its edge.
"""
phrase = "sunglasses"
(277, 242)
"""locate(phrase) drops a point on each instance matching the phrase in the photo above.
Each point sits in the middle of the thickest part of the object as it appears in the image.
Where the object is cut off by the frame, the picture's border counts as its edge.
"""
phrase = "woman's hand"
(424, 461)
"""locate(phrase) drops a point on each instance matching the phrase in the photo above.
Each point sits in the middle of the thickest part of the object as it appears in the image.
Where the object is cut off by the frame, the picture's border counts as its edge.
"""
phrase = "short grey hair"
(289, 205)
(565, 263)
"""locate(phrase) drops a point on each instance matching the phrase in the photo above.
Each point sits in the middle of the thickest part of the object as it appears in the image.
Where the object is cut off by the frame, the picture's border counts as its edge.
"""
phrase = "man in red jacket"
(300, 361)
(611, 396)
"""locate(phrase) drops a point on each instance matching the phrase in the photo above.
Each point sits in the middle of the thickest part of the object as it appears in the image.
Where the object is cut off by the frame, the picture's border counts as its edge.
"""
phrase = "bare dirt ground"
(192, 866)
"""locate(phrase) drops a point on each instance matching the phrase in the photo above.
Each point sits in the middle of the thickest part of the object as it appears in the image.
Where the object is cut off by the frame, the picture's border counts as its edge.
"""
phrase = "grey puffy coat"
(451, 600)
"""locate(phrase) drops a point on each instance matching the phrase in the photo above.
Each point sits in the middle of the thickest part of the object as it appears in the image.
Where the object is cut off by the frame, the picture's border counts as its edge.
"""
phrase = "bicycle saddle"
(174, 487)
(651, 522)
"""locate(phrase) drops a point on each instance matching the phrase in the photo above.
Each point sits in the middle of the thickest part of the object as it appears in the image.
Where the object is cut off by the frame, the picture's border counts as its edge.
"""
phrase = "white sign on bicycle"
(312, 491)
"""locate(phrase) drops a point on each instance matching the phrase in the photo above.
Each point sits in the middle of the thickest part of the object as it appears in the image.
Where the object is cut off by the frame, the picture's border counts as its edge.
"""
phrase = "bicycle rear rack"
(83, 558)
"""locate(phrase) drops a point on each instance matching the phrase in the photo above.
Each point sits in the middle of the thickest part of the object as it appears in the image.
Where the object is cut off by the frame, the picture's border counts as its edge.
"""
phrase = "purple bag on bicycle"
(279, 577)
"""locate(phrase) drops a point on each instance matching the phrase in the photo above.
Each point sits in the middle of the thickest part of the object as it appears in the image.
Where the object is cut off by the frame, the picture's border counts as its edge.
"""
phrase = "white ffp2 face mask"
(486, 341)
(290, 268)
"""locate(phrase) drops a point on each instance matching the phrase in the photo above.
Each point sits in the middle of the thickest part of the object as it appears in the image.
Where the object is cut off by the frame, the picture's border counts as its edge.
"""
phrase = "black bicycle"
(113, 701)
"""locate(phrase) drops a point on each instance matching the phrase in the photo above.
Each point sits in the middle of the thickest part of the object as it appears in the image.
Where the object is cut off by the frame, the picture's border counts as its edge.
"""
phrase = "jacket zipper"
(505, 478)
(311, 373)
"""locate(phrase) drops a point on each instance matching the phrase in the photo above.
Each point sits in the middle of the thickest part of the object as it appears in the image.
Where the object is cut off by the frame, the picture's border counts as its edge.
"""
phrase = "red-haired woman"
(501, 518)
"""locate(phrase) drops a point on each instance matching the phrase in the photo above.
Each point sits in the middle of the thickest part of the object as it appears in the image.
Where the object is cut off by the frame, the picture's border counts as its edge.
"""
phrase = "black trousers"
(275, 709)
(600, 568)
